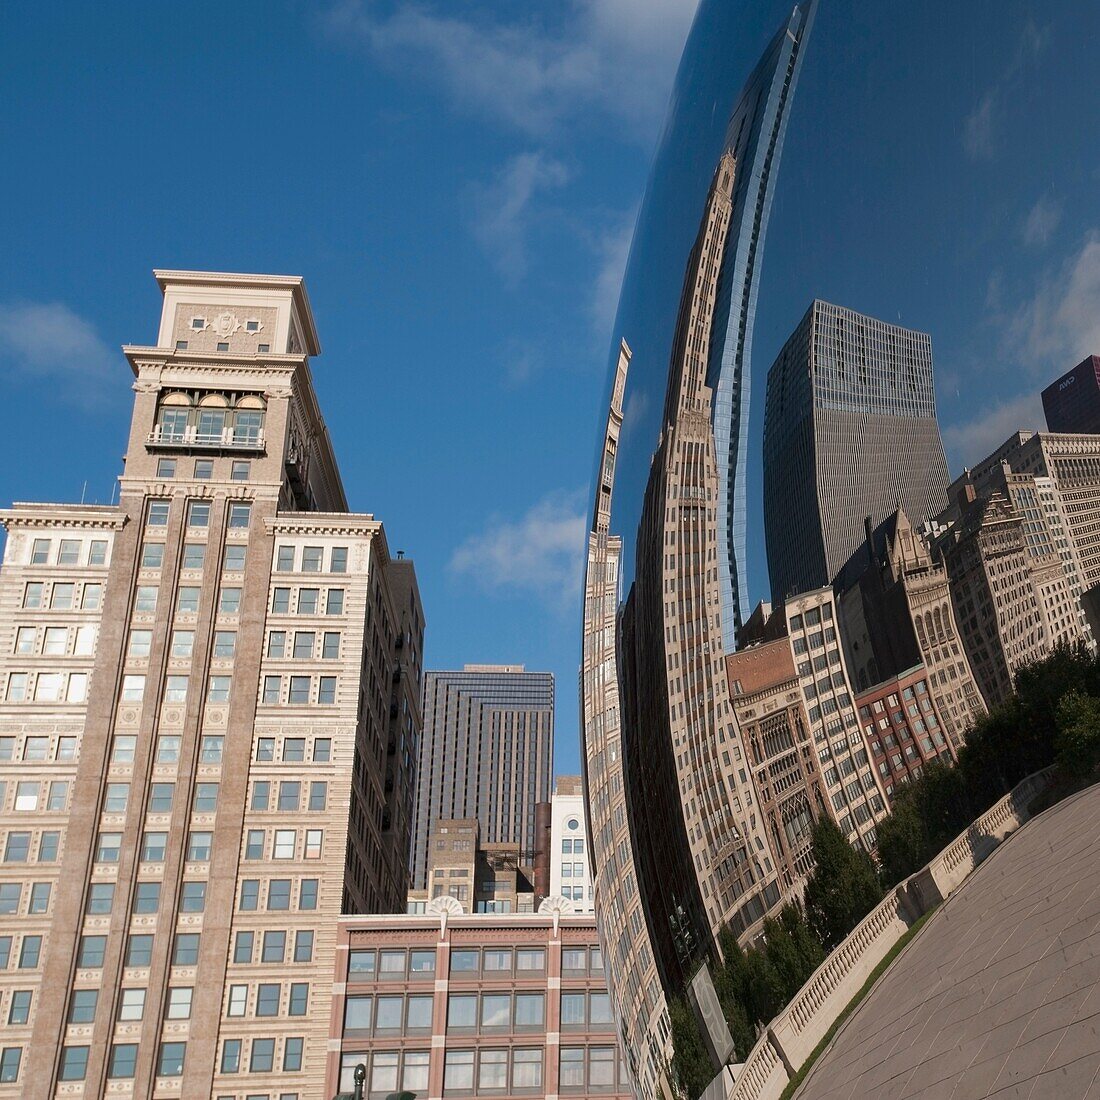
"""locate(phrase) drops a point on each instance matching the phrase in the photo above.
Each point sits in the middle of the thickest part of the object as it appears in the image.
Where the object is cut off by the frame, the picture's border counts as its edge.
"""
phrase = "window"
(26, 796)
(280, 601)
(571, 1072)
(326, 689)
(97, 552)
(20, 1009)
(289, 794)
(307, 601)
(225, 643)
(68, 553)
(254, 844)
(496, 1010)
(66, 748)
(303, 644)
(530, 958)
(240, 514)
(458, 1070)
(338, 561)
(146, 897)
(84, 645)
(82, 1006)
(314, 843)
(299, 999)
(278, 894)
(230, 602)
(198, 513)
(261, 794)
(206, 798)
(179, 1003)
(100, 896)
(223, 345)
(152, 555)
(153, 846)
(47, 846)
(358, 1012)
(74, 1064)
(40, 898)
(526, 1069)
(284, 560)
(361, 964)
(273, 688)
(30, 950)
(219, 689)
(188, 601)
(318, 794)
(210, 751)
(388, 1013)
(263, 1056)
(160, 797)
(530, 1010)
(492, 1070)
(146, 600)
(24, 640)
(330, 648)
(383, 1077)
(235, 557)
(267, 999)
(238, 997)
(40, 552)
(311, 559)
(90, 954)
(133, 689)
(284, 843)
(498, 959)
(292, 1056)
(10, 1058)
(231, 1056)
(32, 594)
(61, 597)
(198, 847)
(123, 1061)
(175, 689)
(194, 554)
(334, 603)
(17, 687)
(274, 949)
(204, 467)
(303, 945)
(166, 467)
(299, 689)
(48, 686)
(307, 894)
(294, 750)
(185, 949)
(322, 750)
(240, 470)
(276, 643)
(572, 1010)
(170, 1062)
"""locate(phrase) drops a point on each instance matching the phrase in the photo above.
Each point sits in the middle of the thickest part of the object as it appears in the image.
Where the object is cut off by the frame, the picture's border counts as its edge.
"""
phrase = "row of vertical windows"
(69, 552)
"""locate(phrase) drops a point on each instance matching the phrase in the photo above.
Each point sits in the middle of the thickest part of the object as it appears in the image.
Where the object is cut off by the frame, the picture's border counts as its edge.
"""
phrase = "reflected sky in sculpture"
(927, 179)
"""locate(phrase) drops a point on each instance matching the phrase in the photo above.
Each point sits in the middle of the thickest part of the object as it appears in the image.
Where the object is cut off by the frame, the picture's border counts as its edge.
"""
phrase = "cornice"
(25, 514)
(323, 523)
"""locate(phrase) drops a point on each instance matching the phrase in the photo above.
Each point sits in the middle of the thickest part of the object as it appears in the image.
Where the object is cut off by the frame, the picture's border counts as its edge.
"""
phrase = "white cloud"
(618, 56)
(1042, 220)
(48, 341)
(612, 249)
(978, 128)
(504, 208)
(1060, 324)
(541, 552)
(972, 440)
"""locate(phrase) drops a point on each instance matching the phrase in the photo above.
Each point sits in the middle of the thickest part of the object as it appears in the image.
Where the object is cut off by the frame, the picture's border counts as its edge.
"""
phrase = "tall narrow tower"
(196, 720)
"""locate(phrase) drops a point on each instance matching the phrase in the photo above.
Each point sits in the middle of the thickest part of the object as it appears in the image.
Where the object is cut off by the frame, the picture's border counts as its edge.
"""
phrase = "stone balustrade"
(796, 1031)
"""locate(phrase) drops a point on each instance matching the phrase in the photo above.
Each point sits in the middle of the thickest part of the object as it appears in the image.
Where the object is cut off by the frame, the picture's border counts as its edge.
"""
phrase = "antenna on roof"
(84, 491)
(400, 554)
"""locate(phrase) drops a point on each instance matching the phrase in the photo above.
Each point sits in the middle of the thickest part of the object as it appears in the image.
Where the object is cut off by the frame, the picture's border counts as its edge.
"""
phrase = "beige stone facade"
(202, 689)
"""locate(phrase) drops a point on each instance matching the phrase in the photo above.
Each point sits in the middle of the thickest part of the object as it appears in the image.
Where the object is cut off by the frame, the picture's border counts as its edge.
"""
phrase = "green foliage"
(691, 1066)
(1077, 742)
(844, 887)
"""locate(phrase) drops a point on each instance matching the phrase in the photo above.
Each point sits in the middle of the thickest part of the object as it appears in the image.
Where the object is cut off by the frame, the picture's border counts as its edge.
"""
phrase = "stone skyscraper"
(487, 752)
(202, 690)
(850, 432)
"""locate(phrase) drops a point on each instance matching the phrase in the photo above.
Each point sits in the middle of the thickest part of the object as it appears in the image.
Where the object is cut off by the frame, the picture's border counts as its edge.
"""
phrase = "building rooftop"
(999, 994)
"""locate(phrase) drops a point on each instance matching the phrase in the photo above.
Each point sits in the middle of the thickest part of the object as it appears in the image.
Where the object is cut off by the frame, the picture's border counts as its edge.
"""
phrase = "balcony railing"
(228, 439)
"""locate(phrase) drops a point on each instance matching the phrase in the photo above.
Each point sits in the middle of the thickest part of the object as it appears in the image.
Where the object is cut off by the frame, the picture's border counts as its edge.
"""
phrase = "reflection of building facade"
(1072, 403)
(849, 432)
(452, 1005)
(901, 728)
(896, 612)
(808, 622)
(995, 597)
(632, 979)
(196, 720)
(775, 733)
(487, 752)
(569, 865)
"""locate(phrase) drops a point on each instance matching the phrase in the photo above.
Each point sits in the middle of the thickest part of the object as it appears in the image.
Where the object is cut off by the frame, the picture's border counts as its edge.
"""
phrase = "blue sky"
(457, 182)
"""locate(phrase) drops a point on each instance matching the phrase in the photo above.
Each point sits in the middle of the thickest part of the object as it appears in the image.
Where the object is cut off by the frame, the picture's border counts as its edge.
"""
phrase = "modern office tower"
(195, 721)
(695, 857)
(1072, 403)
(995, 597)
(849, 432)
(481, 878)
(775, 734)
(569, 867)
(448, 1004)
(808, 623)
(896, 613)
(636, 991)
(486, 752)
(902, 730)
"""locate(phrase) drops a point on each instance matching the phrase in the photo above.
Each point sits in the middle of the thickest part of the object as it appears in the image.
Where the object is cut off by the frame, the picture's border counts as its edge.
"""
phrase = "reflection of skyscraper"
(849, 432)
(755, 137)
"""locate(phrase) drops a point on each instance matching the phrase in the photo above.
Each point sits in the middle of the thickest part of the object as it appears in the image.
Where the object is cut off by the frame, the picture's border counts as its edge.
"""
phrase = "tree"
(1078, 738)
(793, 917)
(766, 992)
(691, 1066)
(901, 839)
(733, 1008)
(843, 888)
